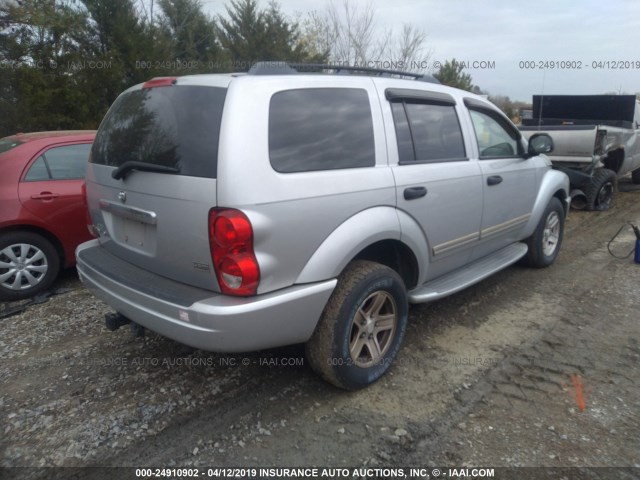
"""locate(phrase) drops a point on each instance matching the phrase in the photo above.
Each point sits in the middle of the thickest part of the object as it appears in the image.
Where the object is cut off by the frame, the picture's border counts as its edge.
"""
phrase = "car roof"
(71, 134)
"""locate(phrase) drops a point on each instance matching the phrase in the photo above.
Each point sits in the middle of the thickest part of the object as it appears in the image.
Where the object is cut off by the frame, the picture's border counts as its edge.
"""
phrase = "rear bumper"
(213, 321)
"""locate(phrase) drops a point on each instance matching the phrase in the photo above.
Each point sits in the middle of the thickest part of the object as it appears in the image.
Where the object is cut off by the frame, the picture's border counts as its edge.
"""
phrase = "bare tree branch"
(347, 32)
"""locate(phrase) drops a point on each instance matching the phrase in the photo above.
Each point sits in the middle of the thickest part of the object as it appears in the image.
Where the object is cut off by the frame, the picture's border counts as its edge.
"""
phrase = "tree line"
(63, 62)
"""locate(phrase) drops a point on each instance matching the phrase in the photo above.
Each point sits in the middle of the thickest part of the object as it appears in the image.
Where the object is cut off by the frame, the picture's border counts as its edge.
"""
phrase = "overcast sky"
(507, 32)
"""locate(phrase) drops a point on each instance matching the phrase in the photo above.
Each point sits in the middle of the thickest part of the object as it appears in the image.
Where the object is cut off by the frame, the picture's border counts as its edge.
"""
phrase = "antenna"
(544, 73)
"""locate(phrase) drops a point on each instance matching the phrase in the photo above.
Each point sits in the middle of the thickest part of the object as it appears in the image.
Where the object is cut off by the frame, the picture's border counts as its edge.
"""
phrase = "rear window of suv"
(176, 126)
(320, 129)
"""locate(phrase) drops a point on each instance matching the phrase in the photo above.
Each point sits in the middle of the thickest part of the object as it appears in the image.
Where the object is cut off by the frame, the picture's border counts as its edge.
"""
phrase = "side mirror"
(540, 143)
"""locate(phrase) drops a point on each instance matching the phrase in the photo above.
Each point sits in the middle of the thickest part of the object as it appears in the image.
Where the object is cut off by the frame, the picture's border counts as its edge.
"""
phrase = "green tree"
(192, 35)
(65, 61)
(451, 74)
(505, 104)
(250, 34)
(37, 44)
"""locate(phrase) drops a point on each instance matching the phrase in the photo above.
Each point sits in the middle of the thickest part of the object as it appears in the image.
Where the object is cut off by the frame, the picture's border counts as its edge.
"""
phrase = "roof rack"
(283, 68)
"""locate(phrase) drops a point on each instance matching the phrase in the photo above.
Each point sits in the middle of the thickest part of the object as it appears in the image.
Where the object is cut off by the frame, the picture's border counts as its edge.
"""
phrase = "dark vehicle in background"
(596, 141)
(42, 211)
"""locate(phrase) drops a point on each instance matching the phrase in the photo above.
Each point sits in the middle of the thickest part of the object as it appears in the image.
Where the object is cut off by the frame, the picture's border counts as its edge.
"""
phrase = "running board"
(468, 275)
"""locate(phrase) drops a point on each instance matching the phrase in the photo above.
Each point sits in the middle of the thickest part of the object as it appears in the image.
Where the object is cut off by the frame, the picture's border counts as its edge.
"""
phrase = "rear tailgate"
(159, 221)
(571, 143)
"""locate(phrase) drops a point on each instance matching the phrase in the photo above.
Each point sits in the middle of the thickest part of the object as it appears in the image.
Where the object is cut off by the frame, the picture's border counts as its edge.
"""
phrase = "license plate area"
(134, 235)
(132, 228)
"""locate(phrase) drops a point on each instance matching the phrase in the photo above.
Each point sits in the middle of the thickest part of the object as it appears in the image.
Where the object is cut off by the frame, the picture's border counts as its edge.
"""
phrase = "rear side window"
(427, 132)
(67, 162)
(172, 126)
(38, 171)
(320, 129)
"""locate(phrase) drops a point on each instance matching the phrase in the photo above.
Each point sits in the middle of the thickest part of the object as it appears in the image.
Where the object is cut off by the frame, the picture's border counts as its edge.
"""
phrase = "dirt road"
(528, 368)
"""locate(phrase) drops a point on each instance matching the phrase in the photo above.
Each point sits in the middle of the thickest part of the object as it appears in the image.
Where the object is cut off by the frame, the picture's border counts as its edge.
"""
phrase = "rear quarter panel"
(292, 213)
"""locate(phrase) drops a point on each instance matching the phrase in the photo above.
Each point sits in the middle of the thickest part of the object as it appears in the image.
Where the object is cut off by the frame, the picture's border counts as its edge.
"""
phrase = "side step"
(468, 275)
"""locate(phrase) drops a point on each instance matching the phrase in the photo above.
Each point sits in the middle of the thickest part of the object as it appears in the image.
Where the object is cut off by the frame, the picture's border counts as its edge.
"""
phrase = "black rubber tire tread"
(53, 261)
(599, 178)
(325, 343)
(635, 176)
(535, 256)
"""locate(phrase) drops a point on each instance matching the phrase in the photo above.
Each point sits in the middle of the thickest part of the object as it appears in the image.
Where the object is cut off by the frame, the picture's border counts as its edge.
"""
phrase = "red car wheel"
(29, 264)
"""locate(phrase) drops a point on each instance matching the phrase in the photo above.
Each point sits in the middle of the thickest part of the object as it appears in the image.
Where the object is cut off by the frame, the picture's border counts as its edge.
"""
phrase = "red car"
(42, 210)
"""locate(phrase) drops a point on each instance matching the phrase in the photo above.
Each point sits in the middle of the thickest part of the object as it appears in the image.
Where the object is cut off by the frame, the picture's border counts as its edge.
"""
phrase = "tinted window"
(38, 171)
(403, 133)
(436, 132)
(171, 126)
(68, 162)
(427, 132)
(320, 129)
(494, 139)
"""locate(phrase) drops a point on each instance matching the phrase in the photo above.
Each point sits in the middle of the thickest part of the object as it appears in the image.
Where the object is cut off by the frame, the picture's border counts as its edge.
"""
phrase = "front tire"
(361, 328)
(29, 264)
(544, 244)
(600, 190)
(635, 176)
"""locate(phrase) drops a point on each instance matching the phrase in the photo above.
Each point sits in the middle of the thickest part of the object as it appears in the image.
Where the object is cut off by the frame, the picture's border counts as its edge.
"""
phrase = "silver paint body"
(575, 146)
(307, 226)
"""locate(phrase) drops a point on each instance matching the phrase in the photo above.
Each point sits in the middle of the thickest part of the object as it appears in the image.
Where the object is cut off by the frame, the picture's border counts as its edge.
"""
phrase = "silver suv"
(242, 212)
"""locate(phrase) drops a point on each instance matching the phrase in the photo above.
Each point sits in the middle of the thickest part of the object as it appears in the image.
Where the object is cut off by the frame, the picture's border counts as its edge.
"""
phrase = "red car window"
(38, 171)
(7, 144)
(68, 162)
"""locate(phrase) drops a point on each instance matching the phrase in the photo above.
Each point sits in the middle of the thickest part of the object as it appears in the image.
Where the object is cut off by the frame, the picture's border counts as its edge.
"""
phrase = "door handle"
(494, 180)
(45, 196)
(414, 192)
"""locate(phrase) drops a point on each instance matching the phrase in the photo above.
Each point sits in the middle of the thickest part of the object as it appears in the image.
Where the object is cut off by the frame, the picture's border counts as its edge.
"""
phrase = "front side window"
(320, 129)
(494, 139)
(427, 132)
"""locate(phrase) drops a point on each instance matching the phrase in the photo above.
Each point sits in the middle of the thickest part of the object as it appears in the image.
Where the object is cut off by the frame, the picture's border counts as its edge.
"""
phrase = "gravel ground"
(528, 368)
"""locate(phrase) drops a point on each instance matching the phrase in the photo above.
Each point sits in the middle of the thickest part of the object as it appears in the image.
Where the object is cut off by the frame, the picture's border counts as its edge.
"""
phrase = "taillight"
(87, 216)
(160, 82)
(601, 138)
(234, 261)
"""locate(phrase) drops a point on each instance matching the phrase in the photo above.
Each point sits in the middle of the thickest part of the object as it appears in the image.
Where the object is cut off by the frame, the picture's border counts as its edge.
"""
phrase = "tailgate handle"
(130, 213)
(414, 192)
(494, 180)
(45, 196)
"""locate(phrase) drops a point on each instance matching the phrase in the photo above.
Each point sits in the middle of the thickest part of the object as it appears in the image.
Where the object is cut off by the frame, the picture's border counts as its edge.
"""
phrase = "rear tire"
(599, 191)
(544, 244)
(635, 176)
(29, 264)
(361, 328)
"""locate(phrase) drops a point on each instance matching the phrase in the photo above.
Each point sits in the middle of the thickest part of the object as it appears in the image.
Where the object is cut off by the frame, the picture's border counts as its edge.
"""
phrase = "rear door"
(436, 182)
(155, 215)
(51, 189)
(509, 179)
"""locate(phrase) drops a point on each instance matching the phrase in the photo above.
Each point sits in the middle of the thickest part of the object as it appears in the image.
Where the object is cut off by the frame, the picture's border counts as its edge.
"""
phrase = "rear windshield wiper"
(123, 170)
